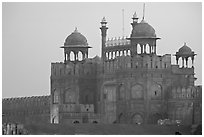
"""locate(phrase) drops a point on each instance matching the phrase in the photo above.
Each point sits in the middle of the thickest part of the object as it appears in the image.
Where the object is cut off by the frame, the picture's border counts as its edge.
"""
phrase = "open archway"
(80, 56)
(137, 119)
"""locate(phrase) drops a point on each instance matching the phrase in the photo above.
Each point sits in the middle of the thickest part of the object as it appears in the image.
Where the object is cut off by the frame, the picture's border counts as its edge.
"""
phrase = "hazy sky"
(33, 32)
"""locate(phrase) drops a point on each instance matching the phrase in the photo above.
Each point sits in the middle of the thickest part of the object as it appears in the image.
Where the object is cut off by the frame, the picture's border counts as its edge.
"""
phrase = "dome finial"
(185, 44)
(75, 29)
(135, 15)
(104, 19)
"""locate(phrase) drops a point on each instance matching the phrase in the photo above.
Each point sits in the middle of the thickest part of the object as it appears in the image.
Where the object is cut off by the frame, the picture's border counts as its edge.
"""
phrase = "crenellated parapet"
(120, 41)
(128, 63)
(26, 99)
(86, 67)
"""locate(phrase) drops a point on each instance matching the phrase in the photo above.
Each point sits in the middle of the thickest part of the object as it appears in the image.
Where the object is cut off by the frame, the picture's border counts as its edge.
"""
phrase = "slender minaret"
(143, 11)
(103, 34)
(123, 29)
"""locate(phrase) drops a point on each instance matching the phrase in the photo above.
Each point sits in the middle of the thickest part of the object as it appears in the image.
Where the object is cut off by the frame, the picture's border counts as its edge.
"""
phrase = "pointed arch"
(71, 55)
(138, 49)
(147, 49)
(155, 90)
(80, 56)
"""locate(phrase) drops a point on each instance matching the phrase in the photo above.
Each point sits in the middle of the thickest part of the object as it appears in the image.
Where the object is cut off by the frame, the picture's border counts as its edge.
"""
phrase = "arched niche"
(155, 90)
(137, 92)
(122, 92)
(69, 96)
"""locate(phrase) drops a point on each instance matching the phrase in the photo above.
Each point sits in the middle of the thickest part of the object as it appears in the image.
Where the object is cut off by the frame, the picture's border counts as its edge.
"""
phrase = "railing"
(117, 42)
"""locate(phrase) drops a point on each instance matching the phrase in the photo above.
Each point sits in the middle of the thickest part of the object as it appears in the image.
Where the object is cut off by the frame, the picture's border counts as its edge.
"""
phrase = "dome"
(185, 50)
(76, 39)
(143, 29)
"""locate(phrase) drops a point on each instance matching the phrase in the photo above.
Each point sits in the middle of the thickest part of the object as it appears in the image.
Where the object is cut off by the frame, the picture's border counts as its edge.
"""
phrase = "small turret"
(134, 19)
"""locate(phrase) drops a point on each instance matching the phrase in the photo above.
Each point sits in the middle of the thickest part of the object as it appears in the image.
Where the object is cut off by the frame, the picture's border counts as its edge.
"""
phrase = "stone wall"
(26, 109)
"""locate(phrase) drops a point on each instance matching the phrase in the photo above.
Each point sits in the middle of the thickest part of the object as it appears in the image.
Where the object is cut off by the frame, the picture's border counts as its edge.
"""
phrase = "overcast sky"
(33, 32)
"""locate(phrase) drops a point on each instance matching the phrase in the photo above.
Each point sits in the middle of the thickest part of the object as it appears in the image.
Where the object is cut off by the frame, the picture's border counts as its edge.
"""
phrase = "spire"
(135, 15)
(143, 11)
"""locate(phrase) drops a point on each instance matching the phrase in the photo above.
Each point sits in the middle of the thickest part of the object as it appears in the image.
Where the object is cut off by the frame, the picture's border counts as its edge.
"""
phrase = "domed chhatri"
(185, 50)
(75, 43)
(143, 30)
(76, 39)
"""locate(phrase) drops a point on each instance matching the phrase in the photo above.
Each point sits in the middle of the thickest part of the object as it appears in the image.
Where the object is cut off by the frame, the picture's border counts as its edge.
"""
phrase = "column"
(183, 62)
(192, 58)
(83, 55)
(75, 56)
(186, 62)
(145, 48)
(141, 48)
(65, 57)
(68, 56)
(177, 59)
(136, 49)
(154, 49)
(150, 50)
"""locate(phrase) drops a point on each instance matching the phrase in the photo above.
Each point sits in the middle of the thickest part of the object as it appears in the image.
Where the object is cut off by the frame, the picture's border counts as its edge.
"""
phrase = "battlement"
(177, 70)
(26, 99)
(145, 61)
(117, 41)
(87, 67)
